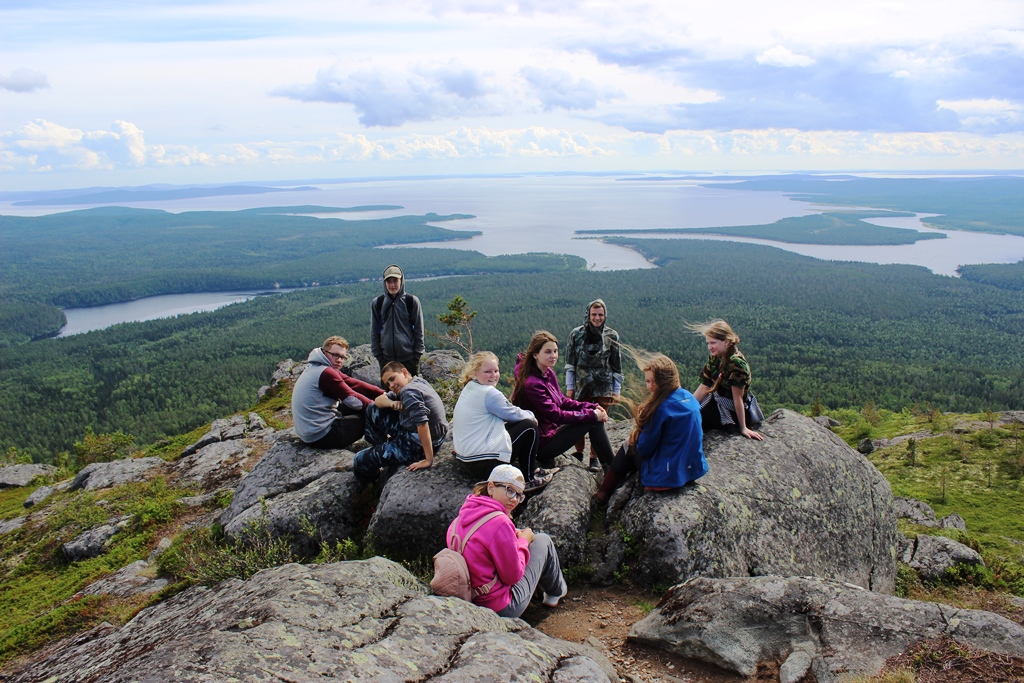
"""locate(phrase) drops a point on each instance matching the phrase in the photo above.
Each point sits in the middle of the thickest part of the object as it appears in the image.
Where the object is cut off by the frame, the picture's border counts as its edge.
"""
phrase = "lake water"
(151, 308)
(542, 214)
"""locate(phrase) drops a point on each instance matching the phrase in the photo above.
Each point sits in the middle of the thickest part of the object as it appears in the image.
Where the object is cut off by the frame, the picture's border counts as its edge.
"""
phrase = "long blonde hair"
(720, 330)
(666, 381)
(476, 361)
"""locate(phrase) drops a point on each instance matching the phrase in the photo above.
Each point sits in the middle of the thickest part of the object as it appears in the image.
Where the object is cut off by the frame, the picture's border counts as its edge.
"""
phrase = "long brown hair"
(720, 330)
(528, 365)
(666, 380)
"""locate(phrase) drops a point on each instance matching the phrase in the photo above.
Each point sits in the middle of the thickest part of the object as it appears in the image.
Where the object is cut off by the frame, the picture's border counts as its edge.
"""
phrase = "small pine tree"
(458, 323)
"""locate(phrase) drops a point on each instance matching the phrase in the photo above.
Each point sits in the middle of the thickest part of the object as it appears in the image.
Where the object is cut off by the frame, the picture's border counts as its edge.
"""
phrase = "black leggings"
(626, 461)
(524, 452)
(567, 435)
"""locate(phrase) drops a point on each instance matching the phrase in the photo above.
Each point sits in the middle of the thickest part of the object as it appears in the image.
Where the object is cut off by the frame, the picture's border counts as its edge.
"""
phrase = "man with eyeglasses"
(328, 407)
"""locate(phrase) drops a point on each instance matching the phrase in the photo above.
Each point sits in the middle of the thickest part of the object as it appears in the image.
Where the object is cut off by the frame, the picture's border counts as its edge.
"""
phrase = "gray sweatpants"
(543, 569)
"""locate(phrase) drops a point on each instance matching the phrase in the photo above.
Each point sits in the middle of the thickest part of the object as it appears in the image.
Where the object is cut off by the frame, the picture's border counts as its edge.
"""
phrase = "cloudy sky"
(97, 92)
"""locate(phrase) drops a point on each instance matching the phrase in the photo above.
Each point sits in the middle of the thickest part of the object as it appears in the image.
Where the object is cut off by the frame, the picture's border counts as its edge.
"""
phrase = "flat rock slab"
(799, 503)
(126, 582)
(39, 495)
(9, 525)
(101, 475)
(13, 476)
(368, 621)
(806, 625)
(214, 465)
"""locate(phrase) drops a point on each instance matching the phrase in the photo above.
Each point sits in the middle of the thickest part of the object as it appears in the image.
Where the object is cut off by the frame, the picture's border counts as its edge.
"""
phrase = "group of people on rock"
(510, 444)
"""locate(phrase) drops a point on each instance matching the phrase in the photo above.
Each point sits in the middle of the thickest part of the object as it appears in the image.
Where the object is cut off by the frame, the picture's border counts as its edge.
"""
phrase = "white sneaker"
(552, 600)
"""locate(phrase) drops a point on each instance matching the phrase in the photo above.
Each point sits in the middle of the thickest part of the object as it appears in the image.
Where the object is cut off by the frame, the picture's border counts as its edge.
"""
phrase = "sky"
(107, 93)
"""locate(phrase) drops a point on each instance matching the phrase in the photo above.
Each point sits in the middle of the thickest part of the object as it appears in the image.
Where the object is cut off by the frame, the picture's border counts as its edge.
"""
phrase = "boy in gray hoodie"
(396, 324)
(405, 425)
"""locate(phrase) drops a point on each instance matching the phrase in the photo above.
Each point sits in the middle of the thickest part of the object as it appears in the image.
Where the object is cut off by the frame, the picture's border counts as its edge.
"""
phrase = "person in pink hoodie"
(506, 564)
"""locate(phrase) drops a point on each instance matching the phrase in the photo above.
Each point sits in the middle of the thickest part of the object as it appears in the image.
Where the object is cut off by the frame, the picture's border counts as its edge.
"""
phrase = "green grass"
(37, 583)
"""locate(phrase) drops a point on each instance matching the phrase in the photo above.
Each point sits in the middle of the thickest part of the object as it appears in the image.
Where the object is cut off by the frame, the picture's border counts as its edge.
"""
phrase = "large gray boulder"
(101, 475)
(368, 621)
(288, 466)
(326, 510)
(13, 476)
(362, 365)
(415, 508)
(442, 365)
(308, 496)
(799, 503)
(562, 510)
(932, 556)
(807, 625)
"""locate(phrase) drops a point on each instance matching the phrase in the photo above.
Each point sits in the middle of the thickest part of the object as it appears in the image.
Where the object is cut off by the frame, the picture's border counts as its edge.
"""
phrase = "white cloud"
(989, 113)
(557, 89)
(783, 57)
(385, 97)
(24, 80)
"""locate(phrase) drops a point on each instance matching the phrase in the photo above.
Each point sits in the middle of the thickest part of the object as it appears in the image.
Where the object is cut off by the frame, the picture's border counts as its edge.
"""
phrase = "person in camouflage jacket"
(724, 391)
(593, 365)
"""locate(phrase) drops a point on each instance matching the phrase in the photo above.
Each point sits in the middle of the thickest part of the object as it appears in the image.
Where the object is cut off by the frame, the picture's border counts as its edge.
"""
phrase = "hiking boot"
(595, 464)
(537, 483)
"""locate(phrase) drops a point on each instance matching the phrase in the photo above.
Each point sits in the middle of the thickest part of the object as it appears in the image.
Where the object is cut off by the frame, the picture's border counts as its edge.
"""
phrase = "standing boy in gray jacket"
(405, 426)
(396, 324)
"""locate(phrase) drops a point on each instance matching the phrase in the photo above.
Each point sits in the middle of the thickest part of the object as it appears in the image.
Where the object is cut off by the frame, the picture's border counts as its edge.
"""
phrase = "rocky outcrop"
(9, 525)
(92, 542)
(415, 508)
(915, 510)
(368, 620)
(295, 489)
(13, 476)
(101, 475)
(800, 503)
(808, 626)
(362, 365)
(442, 365)
(39, 495)
(218, 464)
(931, 556)
(563, 510)
(921, 513)
(126, 582)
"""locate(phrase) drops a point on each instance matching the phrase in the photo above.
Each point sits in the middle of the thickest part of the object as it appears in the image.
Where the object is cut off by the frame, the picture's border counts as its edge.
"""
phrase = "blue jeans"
(391, 446)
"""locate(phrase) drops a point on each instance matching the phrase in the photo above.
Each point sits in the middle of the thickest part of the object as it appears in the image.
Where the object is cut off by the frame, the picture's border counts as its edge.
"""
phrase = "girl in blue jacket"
(666, 445)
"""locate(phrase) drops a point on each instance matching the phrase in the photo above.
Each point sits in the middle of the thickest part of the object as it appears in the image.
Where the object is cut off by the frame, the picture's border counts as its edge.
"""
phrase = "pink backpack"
(451, 573)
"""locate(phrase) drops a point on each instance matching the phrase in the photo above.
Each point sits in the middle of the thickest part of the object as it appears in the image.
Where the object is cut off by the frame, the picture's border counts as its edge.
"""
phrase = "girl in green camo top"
(724, 391)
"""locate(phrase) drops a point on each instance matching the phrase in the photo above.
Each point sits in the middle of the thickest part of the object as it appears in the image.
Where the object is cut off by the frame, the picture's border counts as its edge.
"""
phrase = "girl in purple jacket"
(506, 564)
(562, 421)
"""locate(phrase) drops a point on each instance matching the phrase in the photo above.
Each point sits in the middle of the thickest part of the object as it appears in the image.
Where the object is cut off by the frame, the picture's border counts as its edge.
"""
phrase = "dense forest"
(833, 227)
(982, 203)
(842, 334)
(113, 254)
(1002, 275)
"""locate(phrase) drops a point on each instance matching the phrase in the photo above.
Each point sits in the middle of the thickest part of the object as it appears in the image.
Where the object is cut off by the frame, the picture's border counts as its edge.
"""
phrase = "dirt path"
(602, 617)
